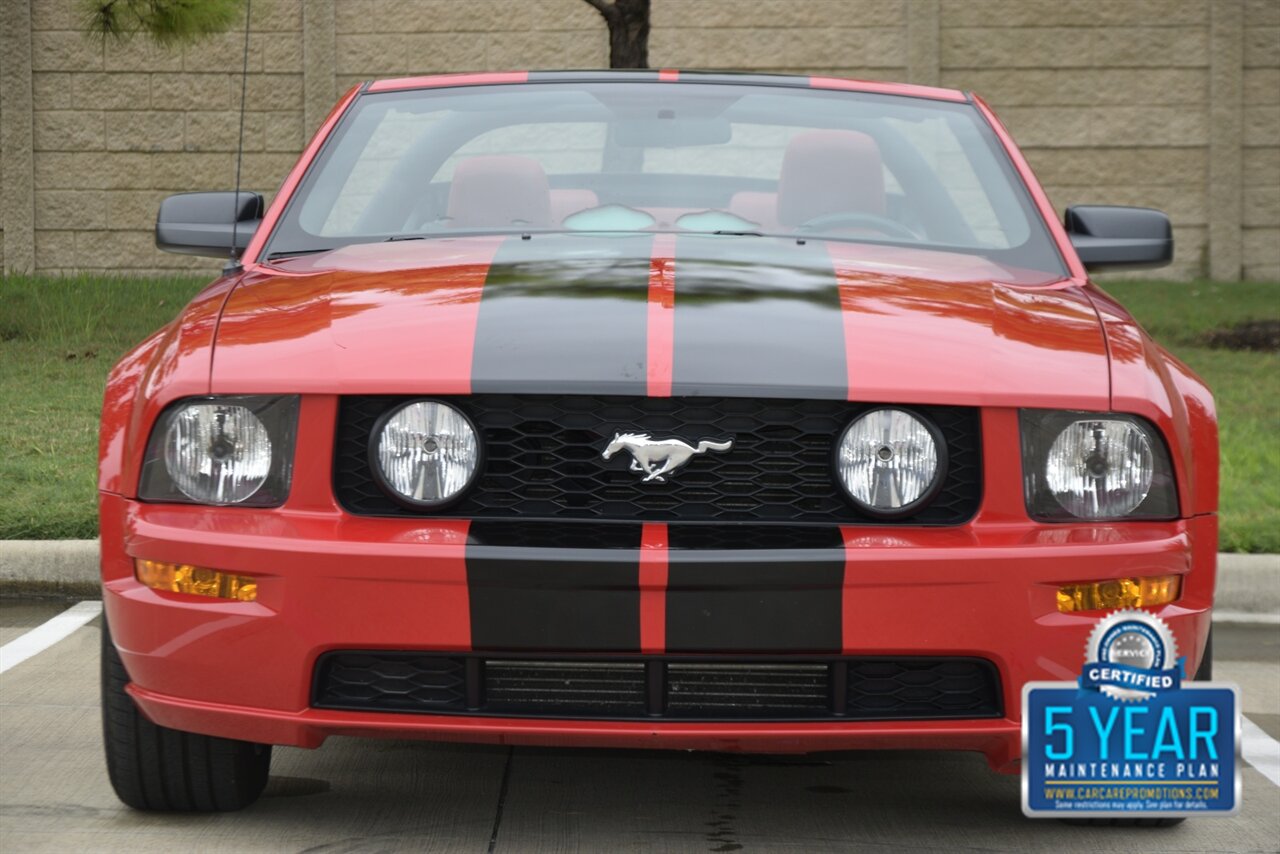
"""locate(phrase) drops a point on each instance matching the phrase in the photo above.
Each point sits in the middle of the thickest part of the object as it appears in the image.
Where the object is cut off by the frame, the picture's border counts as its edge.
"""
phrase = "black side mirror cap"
(202, 223)
(1108, 237)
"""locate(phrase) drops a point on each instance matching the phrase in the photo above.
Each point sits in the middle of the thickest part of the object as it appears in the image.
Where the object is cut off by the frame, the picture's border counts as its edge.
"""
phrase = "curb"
(49, 568)
(1247, 584)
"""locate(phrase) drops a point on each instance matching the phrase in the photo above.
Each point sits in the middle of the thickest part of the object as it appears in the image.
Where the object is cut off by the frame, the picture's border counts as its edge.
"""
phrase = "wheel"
(1204, 672)
(156, 768)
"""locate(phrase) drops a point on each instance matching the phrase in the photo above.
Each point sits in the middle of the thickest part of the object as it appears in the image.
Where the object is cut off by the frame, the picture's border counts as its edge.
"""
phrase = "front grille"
(733, 690)
(542, 460)
(666, 687)
(399, 682)
(588, 688)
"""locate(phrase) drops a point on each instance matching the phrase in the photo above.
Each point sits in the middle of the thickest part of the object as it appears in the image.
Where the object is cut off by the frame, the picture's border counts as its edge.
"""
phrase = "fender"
(177, 361)
(1149, 381)
(172, 363)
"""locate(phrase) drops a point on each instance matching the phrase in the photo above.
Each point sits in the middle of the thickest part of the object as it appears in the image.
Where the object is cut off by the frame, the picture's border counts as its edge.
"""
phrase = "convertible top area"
(813, 158)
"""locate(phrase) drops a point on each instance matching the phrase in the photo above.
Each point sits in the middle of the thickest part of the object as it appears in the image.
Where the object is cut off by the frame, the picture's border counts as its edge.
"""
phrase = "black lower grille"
(670, 688)
(588, 688)
(934, 687)
(735, 690)
(396, 682)
(542, 460)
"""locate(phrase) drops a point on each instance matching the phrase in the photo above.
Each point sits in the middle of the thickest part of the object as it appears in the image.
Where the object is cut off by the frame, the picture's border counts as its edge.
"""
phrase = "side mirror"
(201, 223)
(1118, 238)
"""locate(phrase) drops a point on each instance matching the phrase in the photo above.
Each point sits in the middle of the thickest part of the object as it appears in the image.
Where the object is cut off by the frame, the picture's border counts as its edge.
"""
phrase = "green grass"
(58, 339)
(1246, 387)
(60, 336)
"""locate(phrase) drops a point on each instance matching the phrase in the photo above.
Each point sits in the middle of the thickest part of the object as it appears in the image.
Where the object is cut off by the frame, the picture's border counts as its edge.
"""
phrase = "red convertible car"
(645, 409)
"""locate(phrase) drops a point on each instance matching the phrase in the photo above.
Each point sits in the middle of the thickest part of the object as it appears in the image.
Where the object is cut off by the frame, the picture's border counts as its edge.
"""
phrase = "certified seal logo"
(1131, 655)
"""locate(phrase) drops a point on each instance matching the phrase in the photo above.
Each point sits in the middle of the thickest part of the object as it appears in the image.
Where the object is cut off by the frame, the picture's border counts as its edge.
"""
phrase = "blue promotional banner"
(1130, 738)
(1086, 754)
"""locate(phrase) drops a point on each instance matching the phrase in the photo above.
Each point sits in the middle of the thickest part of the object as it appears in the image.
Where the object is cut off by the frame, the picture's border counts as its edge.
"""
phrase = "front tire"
(1204, 673)
(153, 767)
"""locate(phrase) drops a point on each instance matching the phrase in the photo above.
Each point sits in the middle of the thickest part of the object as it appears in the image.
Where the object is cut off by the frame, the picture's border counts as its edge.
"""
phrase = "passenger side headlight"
(222, 450)
(1095, 465)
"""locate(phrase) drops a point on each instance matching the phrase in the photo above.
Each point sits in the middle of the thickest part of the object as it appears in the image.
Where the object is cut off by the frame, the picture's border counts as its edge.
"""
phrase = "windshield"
(688, 157)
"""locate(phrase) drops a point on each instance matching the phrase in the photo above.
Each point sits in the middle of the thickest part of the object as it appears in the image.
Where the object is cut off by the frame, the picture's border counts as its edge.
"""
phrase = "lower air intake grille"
(671, 688)
(935, 687)
(397, 682)
(586, 688)
(748, 690)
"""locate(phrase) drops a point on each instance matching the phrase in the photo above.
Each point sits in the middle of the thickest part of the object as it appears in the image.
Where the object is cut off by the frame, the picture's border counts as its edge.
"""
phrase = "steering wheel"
(858, 219)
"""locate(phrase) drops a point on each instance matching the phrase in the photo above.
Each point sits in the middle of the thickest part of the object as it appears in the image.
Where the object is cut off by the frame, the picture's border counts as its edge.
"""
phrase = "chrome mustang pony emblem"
(660, 457)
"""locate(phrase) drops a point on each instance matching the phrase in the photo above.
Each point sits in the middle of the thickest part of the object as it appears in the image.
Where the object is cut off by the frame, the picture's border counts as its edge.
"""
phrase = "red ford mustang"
(695, 411)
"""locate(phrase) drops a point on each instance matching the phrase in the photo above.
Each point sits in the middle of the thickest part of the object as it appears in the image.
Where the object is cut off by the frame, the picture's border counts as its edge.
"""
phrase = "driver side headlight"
(1095, 465)
(222, 451)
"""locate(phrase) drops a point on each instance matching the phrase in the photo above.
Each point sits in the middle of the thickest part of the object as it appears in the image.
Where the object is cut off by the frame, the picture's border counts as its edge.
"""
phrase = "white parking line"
(47, 634)
(1260, 750)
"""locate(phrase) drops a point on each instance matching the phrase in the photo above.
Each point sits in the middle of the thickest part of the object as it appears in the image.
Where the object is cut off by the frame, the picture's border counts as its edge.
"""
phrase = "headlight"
(425, 453)
(222, 450)
(1081, 465)
(890, 461)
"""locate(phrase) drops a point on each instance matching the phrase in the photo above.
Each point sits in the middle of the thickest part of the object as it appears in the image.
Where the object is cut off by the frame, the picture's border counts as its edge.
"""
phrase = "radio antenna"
(233, 261)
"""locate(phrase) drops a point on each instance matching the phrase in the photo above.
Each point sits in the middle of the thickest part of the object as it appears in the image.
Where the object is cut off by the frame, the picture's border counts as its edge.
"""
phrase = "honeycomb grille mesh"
(905, 687)
(399, 682)
(542, 460)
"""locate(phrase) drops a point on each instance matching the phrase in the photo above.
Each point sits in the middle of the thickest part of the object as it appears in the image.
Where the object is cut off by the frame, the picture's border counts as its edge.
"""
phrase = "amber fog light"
(196, 580)
(1119, 593)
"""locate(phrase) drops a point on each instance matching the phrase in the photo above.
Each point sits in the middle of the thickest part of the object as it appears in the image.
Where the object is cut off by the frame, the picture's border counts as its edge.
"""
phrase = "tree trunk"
(628, 22)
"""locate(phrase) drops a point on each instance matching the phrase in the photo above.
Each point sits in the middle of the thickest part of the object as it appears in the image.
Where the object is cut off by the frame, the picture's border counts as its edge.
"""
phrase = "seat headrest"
(830, 171)
(499, 191)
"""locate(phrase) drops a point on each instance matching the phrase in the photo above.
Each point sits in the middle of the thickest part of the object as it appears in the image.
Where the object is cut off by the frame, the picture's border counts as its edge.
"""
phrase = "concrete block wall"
(1168, 103)
(1260, 139)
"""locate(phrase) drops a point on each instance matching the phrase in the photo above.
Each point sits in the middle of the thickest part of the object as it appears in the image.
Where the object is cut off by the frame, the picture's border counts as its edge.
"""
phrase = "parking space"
(371, 796)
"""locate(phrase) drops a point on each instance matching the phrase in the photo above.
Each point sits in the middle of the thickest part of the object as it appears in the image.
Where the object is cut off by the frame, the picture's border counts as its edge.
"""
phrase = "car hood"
(646, 314)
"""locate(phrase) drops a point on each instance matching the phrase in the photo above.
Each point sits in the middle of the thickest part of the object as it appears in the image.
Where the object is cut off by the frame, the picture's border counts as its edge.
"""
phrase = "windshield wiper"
(738, 233)
(290, 253)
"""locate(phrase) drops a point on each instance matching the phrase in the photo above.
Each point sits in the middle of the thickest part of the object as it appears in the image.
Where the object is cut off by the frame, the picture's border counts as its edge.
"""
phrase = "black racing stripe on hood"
(564, 313)
(757, 317)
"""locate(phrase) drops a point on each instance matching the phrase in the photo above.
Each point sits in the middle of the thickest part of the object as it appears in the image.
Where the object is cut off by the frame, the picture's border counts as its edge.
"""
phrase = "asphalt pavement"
(372, 796)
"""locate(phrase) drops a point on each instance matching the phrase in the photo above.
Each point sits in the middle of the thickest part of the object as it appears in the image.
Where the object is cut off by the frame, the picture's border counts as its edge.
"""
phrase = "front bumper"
(329, 581)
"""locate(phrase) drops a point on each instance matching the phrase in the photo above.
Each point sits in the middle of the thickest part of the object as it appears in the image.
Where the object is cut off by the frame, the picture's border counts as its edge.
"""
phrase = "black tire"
(156, 768)
(1204, 672)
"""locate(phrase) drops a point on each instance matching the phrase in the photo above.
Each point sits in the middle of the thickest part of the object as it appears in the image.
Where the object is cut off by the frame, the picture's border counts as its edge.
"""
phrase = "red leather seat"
(498, 192)
(828, 172)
